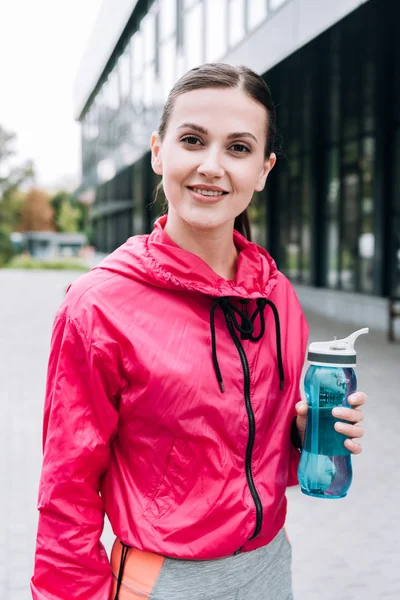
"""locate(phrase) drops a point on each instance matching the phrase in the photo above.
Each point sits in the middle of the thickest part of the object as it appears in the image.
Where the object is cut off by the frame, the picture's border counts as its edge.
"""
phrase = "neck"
(215, 246)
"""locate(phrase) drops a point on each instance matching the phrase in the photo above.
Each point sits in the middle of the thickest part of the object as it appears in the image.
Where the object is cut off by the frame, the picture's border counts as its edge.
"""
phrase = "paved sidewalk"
(342, 550)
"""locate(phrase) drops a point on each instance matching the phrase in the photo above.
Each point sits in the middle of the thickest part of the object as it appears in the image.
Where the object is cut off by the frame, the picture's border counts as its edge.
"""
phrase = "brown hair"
(221, 75)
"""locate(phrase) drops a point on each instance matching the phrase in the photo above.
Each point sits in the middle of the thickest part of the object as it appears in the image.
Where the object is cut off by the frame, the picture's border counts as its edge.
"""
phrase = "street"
(342, 550)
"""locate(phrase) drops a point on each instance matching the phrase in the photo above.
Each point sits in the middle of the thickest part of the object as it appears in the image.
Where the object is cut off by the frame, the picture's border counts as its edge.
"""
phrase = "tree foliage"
(37, 213)
(68, 218)
(69, 213)
(12, 177)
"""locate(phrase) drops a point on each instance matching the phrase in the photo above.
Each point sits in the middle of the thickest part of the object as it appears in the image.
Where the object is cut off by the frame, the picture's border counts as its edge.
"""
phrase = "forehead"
(222, 109)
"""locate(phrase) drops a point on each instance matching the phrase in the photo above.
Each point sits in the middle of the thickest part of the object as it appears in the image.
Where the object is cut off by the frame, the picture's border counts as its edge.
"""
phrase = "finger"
(349, 414)
(302, 408)
(353, 446)
(357, 399)
(351, 431)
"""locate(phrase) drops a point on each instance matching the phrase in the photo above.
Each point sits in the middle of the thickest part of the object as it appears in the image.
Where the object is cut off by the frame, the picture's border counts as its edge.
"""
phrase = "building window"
(237, 26)
(137, 58)
(306, 216)
(148, 27)
(216, 16)
(193, 36)
(275, 4)
(366, 241)
(125, 73)
(331, 250)
(256, 12)
(349, 218)
(149, 81)
(168, 64)
(167, 18)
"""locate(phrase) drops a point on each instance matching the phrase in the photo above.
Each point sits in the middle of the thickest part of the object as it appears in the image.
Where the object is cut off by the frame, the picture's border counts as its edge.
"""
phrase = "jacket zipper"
(252, 430)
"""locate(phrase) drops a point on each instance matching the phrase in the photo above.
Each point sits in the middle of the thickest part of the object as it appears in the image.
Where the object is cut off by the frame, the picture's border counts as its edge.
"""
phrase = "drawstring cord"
(246, 329)
(124, 555)
(278, 343)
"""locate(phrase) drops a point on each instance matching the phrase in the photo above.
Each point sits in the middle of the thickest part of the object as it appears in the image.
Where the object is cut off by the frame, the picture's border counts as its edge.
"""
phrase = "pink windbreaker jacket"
(169, 403)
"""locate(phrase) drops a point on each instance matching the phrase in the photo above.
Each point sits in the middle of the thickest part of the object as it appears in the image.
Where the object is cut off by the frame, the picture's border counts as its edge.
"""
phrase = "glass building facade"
(330, 214)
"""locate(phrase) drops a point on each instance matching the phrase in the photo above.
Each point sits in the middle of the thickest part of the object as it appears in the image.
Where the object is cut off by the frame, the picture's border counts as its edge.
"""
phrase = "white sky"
(41, 46)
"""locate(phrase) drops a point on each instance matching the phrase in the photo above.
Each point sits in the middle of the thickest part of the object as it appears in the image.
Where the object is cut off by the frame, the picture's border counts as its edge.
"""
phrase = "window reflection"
(148, 27)
(193, 36)
(167, 18)
(274, 4)
(216, 15)
(349, 241)
(256, 12)
(125, 73)
(366, 242)
(306, 222)
(148, 87)
(332, 237)
(137, 54)
(167, 64)
(236, 21)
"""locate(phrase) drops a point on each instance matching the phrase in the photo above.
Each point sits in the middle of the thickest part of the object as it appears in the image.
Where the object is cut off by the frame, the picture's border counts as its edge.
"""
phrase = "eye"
(241, 149)
(191, 140)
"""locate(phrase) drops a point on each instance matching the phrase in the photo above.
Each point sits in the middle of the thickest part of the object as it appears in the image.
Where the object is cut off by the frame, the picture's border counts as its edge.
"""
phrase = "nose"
(211, 164)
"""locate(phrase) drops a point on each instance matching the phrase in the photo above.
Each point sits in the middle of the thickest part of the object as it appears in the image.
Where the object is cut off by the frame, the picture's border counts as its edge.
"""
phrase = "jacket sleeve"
(294, 458)
(80, 418)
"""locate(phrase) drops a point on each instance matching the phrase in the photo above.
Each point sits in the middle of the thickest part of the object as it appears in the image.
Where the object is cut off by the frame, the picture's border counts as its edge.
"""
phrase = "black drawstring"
(246, 329)
(278, 343)
(124, 554)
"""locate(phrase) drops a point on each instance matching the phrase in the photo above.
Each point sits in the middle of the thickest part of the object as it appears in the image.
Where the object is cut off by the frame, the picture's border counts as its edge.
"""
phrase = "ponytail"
(242, 224)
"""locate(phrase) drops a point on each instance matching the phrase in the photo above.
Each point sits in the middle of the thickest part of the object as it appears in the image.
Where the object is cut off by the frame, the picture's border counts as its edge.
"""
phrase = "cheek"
(177, 167)
(246, 177)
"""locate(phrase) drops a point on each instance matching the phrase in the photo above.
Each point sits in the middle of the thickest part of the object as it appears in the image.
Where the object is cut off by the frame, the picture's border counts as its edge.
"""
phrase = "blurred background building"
(330, 213)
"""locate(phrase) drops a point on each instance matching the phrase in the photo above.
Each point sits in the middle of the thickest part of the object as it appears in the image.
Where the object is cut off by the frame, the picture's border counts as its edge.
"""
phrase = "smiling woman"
(173, 385)
(216, 135)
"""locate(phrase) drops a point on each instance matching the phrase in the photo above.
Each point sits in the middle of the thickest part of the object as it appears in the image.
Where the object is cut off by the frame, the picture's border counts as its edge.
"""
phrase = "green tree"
(6, 250)
(12, 177)
(78, 213)
(69, 217)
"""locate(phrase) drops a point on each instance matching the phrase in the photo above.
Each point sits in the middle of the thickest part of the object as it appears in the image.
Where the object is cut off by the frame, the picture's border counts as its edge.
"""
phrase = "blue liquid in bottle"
(325, 469)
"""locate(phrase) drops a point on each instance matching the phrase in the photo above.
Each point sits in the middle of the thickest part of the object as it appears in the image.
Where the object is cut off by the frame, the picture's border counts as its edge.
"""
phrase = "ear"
(156, 161)
(269, 164)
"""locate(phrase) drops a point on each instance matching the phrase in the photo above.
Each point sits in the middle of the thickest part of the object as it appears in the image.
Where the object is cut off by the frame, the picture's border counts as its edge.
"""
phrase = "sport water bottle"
(325, 463)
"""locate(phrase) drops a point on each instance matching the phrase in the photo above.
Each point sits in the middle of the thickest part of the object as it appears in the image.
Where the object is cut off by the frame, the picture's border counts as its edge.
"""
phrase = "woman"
(172, 400)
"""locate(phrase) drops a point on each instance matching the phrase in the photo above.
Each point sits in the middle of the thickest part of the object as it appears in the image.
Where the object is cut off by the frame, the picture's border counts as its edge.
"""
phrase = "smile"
(207, 192)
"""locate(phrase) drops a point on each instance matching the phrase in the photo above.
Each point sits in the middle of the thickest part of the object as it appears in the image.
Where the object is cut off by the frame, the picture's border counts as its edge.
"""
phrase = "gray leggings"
(263, 574)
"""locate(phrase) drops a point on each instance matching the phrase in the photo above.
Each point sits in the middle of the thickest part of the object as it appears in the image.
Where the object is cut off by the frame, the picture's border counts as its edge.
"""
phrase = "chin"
(205, 221)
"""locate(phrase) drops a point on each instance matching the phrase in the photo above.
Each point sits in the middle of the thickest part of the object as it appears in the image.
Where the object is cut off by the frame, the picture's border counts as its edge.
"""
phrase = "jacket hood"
(156, 260)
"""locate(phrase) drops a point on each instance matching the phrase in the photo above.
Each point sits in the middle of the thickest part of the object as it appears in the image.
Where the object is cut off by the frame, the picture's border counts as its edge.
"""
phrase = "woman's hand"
(352, 430)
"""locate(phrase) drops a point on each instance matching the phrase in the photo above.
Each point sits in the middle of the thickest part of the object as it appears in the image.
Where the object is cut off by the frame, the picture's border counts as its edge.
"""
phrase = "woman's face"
(212, 157)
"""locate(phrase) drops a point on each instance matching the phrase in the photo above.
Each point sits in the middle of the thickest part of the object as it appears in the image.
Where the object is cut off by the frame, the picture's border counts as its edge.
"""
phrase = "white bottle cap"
(336, 352)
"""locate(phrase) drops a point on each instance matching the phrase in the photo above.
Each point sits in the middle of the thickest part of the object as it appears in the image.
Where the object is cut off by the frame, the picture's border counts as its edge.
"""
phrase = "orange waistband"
(140, 572)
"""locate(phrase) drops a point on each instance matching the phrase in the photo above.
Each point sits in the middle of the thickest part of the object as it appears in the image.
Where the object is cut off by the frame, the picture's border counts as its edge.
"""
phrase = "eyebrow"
(231, 136)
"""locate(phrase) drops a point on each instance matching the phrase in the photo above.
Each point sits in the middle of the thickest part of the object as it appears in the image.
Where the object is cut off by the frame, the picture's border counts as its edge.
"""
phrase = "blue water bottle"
(325, 463)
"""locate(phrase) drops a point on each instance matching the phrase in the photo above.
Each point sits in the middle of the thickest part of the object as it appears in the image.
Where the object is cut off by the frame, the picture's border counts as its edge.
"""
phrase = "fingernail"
(336, 412)
(340, 426)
